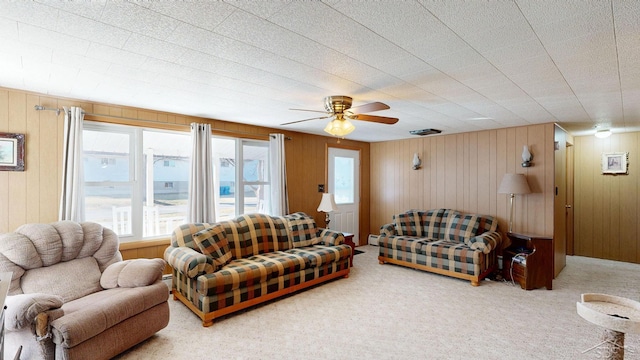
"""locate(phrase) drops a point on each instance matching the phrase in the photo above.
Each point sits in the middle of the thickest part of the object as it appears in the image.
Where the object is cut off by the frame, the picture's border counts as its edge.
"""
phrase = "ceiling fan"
(339, 108)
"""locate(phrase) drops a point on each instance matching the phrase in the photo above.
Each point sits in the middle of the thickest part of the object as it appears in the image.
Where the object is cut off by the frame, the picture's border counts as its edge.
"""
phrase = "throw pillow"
(132, 273)
(213, 242)
(302, 230)
(461, 227)
(408, 224)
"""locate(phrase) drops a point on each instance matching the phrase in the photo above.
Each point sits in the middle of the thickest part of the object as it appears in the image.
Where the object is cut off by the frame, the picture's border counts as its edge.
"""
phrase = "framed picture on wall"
(615, 163)
(11, 152)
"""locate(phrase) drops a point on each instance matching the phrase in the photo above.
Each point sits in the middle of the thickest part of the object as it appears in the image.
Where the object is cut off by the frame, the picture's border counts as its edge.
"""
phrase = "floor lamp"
(327, 205)
(513, 184)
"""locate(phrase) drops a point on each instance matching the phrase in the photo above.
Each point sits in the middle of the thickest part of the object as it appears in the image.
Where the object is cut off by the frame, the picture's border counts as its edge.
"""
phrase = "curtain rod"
(39, 107)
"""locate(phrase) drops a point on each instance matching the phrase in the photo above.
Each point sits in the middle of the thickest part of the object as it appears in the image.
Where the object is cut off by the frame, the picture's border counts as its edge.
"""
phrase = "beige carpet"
(392, 312)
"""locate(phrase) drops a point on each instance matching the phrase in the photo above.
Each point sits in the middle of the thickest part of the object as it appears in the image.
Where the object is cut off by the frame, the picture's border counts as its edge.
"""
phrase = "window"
(136, 180)
(242, 176)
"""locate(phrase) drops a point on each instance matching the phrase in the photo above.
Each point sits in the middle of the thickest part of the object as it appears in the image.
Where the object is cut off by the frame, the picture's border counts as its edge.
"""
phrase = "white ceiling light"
(604, 133)
(339, 127)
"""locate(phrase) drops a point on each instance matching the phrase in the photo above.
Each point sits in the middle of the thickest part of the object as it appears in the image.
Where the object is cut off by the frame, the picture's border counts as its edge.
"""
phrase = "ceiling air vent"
(424, 132)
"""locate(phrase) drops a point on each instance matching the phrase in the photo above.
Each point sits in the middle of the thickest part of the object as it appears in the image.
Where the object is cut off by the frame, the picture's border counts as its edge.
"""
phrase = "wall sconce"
(416, 162)
(526, 157)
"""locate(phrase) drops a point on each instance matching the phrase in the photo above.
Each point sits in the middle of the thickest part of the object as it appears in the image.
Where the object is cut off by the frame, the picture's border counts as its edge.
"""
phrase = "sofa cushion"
(302, 230)
(319, 255)
(213, 242)
(487, 223)
(259, 234)
(408, 223)
(47, 279)
(446, 215)
(283, 263)
(132, 273)
(431, 222)
(460, 227)
(239, 273)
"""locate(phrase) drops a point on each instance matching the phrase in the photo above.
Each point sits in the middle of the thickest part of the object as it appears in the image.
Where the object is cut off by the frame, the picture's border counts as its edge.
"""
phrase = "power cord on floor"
(513, 260)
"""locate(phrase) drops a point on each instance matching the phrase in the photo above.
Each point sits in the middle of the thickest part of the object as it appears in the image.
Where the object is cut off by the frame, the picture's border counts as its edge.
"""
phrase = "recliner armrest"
(22, 309)
(188, 261)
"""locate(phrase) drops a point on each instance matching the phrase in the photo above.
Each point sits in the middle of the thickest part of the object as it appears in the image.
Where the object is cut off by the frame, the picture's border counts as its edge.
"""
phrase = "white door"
(344, 183)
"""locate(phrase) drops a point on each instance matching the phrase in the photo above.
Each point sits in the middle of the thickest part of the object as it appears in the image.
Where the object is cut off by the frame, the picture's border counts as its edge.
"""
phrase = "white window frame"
(136, 170)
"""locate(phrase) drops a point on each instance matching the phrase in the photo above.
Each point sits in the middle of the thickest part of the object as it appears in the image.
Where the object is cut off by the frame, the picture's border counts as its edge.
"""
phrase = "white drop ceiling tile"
(458, 60)
(530, 66)
(627, 14)
(543, 12)
(8, 29)
(10, 61)
(159, 49)
(81, 27)
(61, 57)
(455, 111)
(599, 46)
(25, 49)
(199, 39)
(89, 9)
(263, 9)
(386, 19)
(590, 71)
(466, 17)
(29, 12)
(114, 55)
(515, 52)
(202, 14)
(501, 37)
(136, 18)
(51, 39)
(406, 65)
(325, 25)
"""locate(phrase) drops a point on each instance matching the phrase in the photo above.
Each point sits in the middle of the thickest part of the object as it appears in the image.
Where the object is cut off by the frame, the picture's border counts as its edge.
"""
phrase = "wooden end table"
(532, 267)
(348, 239)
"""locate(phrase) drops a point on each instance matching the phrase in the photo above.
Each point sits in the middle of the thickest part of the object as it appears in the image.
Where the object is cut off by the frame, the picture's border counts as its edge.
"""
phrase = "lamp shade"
(328, 203)
(514, 184)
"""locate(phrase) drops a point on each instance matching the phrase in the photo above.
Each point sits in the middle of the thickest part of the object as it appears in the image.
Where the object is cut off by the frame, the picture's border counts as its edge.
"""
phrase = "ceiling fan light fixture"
(338, 127)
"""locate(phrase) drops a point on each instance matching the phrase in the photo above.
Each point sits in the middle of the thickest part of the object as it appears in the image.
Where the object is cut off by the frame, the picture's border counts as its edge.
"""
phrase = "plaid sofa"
(442, 241)
(227, 266)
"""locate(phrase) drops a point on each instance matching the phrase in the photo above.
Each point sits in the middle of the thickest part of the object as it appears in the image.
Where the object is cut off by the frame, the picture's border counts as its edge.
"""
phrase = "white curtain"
(279, 201)
(72, 198)
(201, 182)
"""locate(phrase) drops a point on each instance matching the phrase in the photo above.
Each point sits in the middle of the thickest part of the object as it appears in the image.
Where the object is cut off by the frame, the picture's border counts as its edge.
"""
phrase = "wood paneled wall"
(463, 172)
(33, 195)
(606, 207)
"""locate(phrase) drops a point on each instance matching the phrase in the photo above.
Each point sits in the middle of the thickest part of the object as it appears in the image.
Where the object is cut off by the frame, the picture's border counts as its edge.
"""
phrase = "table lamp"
(513, 184)
(327, 205)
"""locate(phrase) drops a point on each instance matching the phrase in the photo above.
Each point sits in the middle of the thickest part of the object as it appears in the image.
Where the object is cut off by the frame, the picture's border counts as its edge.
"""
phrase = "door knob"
(568, 206)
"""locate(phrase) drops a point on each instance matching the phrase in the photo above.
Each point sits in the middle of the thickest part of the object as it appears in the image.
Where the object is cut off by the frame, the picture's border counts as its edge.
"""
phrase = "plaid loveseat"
(227, 266)
(442, 241)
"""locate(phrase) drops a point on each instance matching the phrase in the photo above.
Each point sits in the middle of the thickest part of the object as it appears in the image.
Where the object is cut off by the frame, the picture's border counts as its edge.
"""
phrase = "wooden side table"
(532, 267)
(348, 239)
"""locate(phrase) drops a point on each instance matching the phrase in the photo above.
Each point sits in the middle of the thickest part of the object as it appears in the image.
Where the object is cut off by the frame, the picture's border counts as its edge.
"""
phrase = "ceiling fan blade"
(320, 111)
(373, 118)
(315, 118)
(370, 107)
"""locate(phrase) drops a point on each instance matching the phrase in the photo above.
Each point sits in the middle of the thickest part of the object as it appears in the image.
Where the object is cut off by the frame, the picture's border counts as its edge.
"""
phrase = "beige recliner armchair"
(73, 297)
